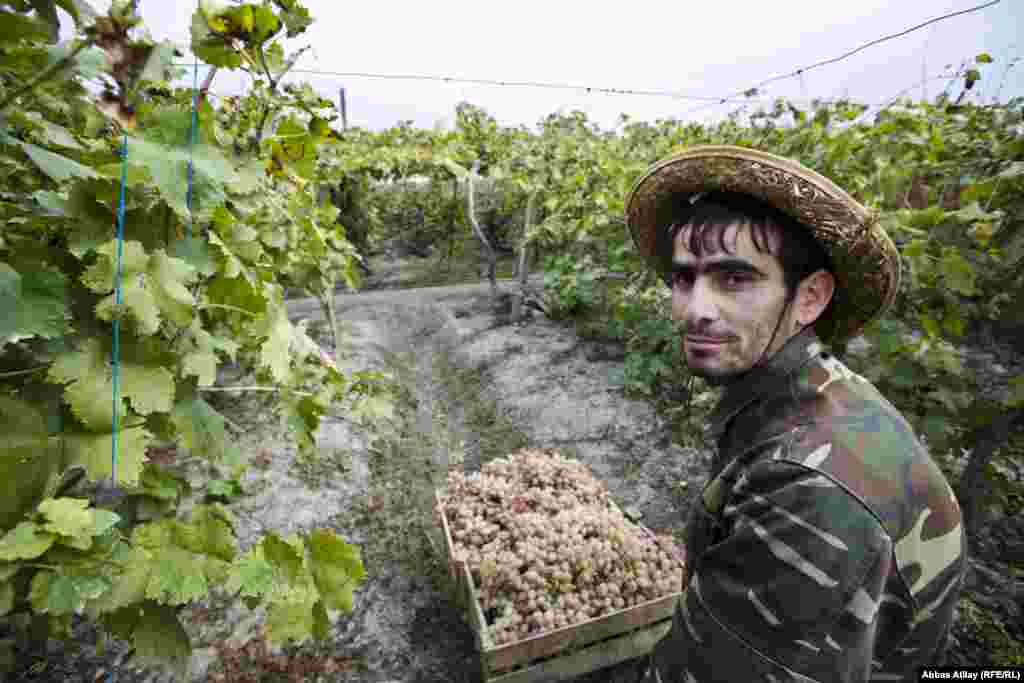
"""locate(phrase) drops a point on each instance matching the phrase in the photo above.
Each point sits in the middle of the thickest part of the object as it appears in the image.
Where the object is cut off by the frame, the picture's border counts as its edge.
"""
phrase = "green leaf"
(202, 429)
(54, 594)
(296, 17)
(154, 286)
(276, 331)
(337, 568)
(251, 575)
(168, 166)
(160, 640)
(1016, 397)
(290, 620)
(27, 461)
(90, 393)
(31, 304)
(321, 624)
(16, 27)
(959, 275)
(209, 531)
(157, 482)
(58, 167)
(983, 58)
(129, 587)
(26, 541)
(196, 253)
(285, 558)
(209, 47)
(94, 452)
(69, 517)
(6, 598)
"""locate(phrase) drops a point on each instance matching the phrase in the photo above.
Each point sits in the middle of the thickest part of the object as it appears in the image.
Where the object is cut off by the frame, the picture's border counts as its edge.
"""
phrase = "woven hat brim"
(865, 261)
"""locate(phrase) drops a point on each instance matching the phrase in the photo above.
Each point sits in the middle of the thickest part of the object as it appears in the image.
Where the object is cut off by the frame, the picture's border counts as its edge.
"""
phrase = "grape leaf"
(15, 27)
(209, 47)
(153, 285)
(1016, 397)
(160, 640)
(174, 580)
(276, 330)
(337, 568)
(26, 541)
(31, 304)
(202, 429)
(251, 575)
(200, 354)
(94, 452)
(321, 624)
(69, 517)
(59, 168)
(209, 531)
(291, 619)
(56, 594)
(196, 253)
(148, 388)
(135, 568)
(168, 167)
(27, 462)
(6, 598)
(285, 558)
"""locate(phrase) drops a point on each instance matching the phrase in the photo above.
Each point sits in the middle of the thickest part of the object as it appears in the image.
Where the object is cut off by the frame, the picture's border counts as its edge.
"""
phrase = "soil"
(475, 387)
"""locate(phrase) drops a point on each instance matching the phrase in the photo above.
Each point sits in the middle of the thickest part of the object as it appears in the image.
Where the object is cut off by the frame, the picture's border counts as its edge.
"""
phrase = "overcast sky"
(707, 49)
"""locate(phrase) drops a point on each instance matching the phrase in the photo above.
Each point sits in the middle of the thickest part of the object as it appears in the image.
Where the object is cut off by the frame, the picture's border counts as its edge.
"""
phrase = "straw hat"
(865, 261)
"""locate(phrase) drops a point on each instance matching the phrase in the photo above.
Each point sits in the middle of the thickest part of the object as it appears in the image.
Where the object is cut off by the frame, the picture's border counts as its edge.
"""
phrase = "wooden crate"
(564, 653)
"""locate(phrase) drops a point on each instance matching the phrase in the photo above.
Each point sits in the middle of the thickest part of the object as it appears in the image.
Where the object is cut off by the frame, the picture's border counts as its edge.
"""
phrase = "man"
(827, 545)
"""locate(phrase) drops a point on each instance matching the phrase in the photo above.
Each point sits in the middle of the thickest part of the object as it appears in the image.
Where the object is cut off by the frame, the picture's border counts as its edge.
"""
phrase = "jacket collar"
(771, 378)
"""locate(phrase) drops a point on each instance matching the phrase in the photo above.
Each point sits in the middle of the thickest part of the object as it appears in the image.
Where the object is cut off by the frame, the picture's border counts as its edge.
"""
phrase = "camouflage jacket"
(827, 545)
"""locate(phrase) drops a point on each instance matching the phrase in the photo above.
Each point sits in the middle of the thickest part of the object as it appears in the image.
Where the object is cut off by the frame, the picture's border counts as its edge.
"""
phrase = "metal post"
(344, 111)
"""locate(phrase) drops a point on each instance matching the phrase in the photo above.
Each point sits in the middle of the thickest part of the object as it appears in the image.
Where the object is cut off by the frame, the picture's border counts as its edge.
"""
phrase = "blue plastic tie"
(118, 300)
(192, 141)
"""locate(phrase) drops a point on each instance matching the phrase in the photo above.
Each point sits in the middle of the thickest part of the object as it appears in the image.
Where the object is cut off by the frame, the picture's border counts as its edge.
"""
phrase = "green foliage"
(203, 273)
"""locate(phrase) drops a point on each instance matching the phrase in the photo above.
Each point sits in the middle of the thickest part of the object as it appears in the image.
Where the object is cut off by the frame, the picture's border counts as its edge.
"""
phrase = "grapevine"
(547, 548)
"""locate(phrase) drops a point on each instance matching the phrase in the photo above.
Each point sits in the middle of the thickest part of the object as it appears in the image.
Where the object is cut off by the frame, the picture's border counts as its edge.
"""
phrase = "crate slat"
(604, 654)
(582, 633)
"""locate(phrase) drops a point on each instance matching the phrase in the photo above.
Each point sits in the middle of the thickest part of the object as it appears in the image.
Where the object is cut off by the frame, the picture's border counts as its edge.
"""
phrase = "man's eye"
(736, 279)
(680, 279)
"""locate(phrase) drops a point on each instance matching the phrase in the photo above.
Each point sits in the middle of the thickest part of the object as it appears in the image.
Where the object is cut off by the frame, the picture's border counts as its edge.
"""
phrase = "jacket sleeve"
(789, 589)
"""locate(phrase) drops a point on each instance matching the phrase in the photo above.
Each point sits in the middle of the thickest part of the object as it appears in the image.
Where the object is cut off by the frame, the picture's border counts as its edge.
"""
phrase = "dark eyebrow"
(721, 265)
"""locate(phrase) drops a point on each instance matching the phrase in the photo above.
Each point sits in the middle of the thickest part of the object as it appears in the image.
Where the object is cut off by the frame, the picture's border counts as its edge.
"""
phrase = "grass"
(497, 435)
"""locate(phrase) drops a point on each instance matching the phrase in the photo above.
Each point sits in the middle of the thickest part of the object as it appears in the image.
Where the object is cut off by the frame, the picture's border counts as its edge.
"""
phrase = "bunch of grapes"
(547, 549)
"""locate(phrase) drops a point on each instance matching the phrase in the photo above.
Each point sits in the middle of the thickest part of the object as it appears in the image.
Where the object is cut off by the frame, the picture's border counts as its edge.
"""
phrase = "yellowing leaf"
(290, 620)
(68, 517)
(26, 541)
(337, 568)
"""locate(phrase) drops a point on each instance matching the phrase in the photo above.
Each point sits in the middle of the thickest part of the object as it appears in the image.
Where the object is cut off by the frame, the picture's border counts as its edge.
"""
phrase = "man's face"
(730, 303)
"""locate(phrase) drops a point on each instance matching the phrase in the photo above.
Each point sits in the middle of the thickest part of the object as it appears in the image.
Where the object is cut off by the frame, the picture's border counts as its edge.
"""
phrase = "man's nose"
(697, 307)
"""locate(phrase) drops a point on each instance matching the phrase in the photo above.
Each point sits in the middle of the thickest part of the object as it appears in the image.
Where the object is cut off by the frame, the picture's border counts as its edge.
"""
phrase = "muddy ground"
(475, 387)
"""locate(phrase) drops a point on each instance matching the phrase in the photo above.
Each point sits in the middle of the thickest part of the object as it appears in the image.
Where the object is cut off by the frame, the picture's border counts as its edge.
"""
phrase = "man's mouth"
(706, 340)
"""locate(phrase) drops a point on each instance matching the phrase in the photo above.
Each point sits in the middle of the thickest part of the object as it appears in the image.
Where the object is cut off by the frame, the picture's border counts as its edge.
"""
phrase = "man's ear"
(813, 296)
